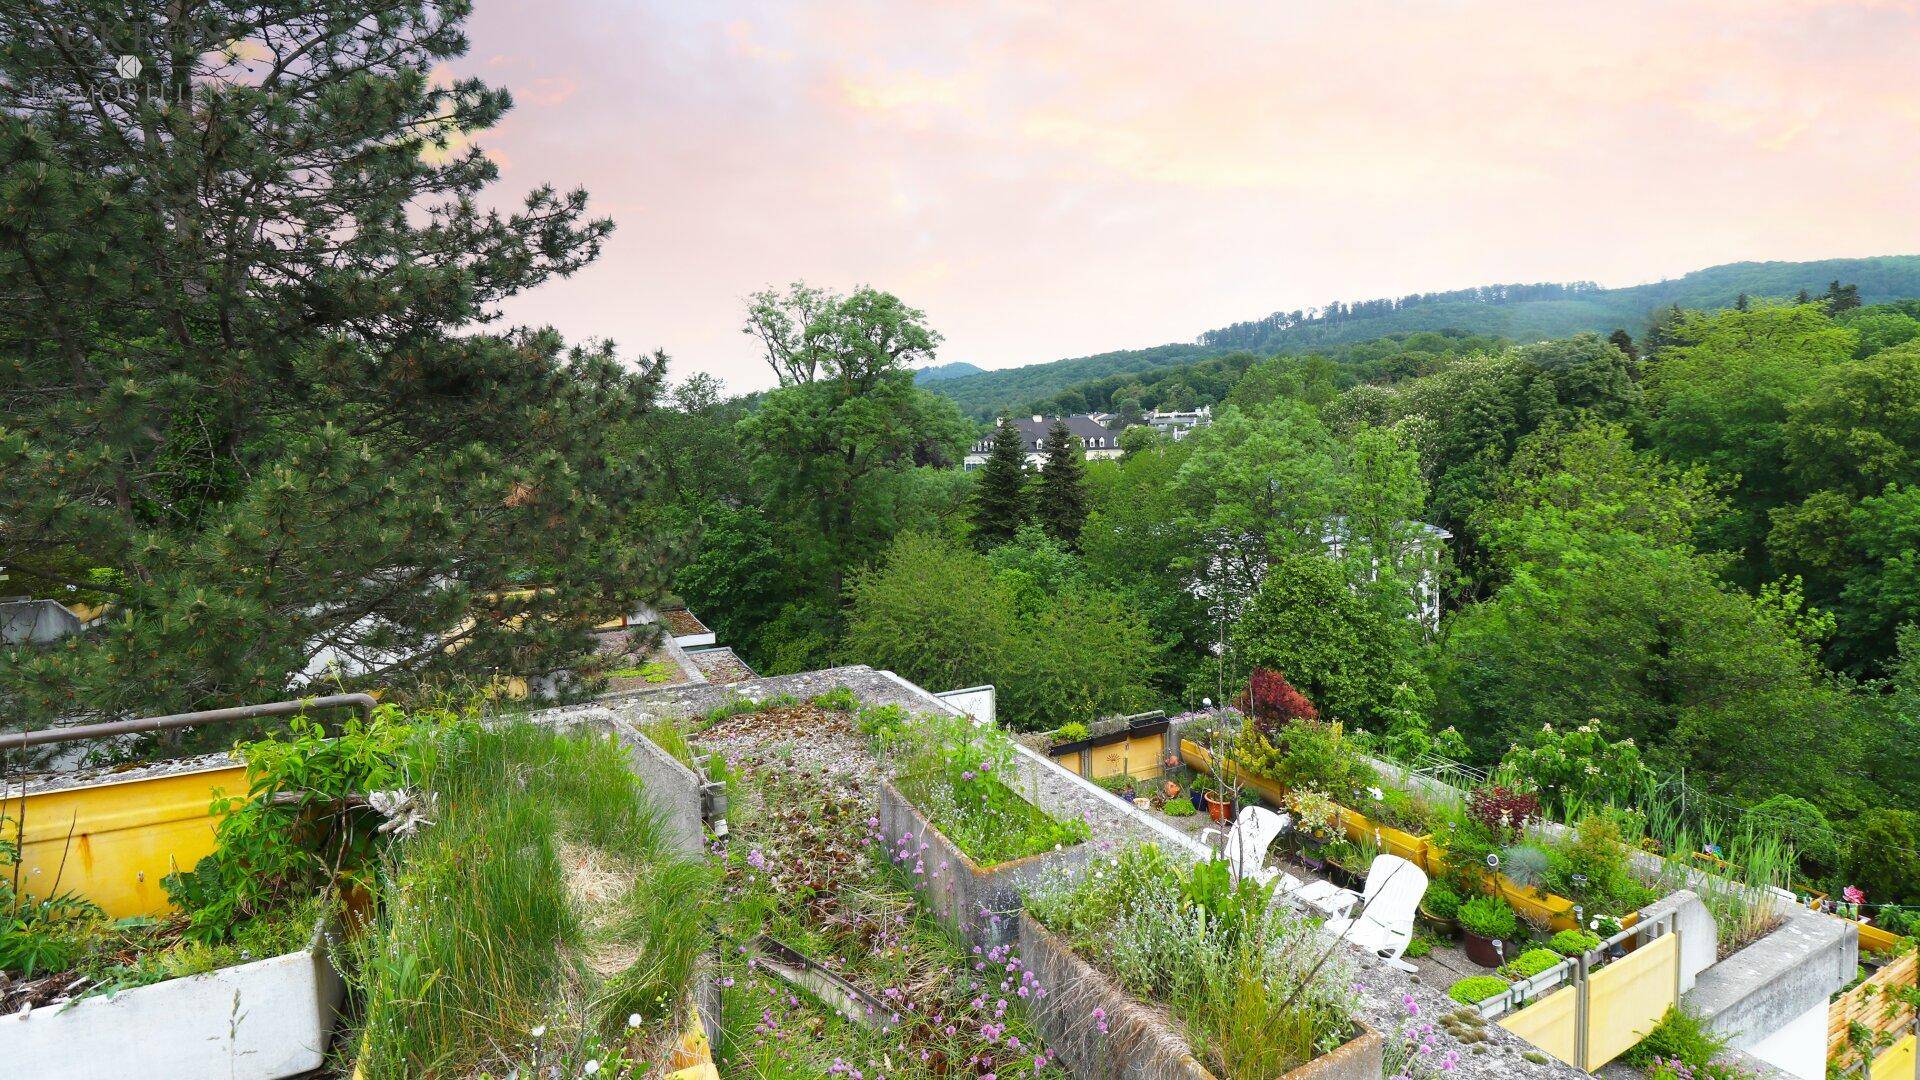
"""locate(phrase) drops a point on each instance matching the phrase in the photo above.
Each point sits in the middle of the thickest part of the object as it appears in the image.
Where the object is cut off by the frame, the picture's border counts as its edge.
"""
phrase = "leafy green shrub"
(1680, 1036)
(1531, 963)
(839, 699)
(298, 829)
(1488, 917)
(1574, 942)
(1475, 989)
(881, 724)
(1878, 861)
(1593, 868)
(1072, 731)
(1577, 766)
(1805, 826)
(1421, 945)
(1180, 808)
(1305, 755)
(1441, 901)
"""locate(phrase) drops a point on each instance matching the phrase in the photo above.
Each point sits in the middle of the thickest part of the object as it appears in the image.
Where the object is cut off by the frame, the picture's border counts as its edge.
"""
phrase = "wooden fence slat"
(1871, 1005)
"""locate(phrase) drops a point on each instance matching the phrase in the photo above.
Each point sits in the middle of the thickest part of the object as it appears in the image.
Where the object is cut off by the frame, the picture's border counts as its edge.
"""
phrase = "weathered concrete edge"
(1140, 1042)
(1760, 989)
(977, 903)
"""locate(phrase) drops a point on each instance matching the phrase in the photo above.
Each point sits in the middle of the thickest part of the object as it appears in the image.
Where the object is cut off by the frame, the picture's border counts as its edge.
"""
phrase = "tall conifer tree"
(1062, 505)
(1000, 503)
(251, 399)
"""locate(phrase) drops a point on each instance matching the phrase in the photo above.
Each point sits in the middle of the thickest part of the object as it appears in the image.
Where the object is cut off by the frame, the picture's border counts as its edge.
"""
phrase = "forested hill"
(955, 370)
(1515, 312)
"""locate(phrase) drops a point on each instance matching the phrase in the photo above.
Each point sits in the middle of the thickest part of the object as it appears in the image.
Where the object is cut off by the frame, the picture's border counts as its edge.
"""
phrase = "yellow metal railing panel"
(1627, 998)
(1897, 1063)
(1552, 1024)
(112, 843)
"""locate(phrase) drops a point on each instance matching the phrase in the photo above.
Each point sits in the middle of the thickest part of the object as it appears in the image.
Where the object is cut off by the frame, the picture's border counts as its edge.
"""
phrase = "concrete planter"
(975, 902)
(256, 1021)
(1140, 1042)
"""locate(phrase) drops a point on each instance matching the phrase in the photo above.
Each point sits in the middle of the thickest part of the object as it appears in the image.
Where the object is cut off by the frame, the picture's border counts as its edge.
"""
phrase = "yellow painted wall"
(1138, 757)
(125, 837)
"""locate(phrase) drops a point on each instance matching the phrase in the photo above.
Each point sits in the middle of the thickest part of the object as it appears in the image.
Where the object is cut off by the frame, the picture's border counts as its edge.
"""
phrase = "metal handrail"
(1574, 970)
(365, 703)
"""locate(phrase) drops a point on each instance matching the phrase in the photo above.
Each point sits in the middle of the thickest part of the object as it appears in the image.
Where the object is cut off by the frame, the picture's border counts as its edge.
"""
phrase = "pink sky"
(1056, 179)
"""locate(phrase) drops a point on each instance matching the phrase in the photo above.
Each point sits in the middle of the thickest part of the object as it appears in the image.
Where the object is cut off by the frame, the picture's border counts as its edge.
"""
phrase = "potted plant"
(1316, 818)
(1485, 920)
(1222, 801)
(1440, 908)
(1346, 863)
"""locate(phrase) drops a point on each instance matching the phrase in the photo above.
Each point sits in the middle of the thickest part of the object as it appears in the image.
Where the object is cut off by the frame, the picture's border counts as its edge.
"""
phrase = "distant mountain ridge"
(1518, 312)
(954, 370)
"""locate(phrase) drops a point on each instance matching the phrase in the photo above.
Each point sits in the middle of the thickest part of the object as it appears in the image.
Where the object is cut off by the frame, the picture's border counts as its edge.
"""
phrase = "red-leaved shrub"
(1502, 808)
(1274, 703)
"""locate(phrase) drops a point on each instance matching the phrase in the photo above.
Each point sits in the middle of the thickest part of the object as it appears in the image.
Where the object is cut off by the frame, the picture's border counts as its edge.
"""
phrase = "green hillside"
(955, 370)
(1516, 312)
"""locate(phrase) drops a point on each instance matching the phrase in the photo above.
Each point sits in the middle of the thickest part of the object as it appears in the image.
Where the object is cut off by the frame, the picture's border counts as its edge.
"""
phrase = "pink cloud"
(1051, 179)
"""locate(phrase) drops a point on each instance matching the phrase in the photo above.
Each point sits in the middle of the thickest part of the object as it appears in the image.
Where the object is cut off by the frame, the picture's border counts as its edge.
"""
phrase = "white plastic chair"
(1383, 925)
(1245, 845)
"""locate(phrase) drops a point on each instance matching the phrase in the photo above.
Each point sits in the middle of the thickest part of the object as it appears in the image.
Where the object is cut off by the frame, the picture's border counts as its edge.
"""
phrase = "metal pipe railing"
(23, 739)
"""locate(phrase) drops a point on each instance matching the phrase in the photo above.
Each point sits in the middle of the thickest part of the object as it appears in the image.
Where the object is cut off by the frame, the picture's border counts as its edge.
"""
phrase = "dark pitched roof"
(1033, 431)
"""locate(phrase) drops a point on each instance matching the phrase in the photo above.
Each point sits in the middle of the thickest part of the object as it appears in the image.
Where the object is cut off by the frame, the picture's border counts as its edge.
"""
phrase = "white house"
(1096, 439)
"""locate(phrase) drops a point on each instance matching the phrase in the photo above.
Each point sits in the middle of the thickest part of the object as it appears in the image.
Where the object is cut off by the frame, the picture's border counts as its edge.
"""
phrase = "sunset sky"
(1056, 179)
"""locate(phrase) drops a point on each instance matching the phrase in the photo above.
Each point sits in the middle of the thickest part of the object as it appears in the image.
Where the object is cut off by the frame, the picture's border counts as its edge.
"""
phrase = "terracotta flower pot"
(1219, 808)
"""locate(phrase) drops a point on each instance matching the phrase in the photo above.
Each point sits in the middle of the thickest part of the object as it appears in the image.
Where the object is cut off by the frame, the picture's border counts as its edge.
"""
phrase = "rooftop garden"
(1553, 839)
(955, 771)
(1254, 990)
(540, 919)
(830, 965)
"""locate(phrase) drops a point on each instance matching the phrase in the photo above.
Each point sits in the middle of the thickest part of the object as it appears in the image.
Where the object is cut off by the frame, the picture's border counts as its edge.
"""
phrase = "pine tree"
(1000, 504)
(249, 394)
(1841, 298)
(1623, 341)
(1062, 505)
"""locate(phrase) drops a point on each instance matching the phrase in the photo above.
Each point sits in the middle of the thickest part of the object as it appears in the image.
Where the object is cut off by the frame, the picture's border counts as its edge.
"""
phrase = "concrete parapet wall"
(1767, 986)
(1139, 1042)
(1699, 934)
(980, 904)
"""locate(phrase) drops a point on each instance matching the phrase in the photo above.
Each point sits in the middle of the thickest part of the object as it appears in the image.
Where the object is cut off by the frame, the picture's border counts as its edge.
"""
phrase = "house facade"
(1097, 440)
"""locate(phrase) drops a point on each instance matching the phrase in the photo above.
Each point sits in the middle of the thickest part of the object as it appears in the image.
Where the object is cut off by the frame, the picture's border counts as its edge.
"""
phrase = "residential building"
(1177, 423)
(1097, 440)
